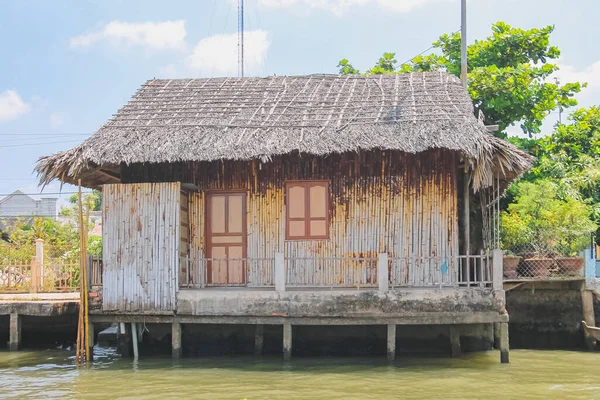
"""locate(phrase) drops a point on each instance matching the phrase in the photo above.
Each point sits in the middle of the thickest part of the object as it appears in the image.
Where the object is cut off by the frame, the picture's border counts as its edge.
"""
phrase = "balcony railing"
(458, 271)
(232, 272)
(34, 277)
(329, 272)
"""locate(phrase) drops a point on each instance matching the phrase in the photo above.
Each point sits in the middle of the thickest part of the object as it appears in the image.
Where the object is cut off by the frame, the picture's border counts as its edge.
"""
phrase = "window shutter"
(318, 209)
(307, 210)
(296, 211)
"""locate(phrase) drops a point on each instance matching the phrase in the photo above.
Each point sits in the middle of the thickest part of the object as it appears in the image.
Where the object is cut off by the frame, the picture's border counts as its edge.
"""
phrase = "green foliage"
(580, 136)
(346, 68)
(508, 74)
(385, 65)
(95, 198)
(94, 246)
(540, 218)
(61, 238)
(570, 157)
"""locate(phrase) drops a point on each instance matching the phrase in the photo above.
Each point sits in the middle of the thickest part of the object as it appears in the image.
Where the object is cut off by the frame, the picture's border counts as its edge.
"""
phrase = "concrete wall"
(19, 204)
(427, 305)
(545, 317)
(47, 207)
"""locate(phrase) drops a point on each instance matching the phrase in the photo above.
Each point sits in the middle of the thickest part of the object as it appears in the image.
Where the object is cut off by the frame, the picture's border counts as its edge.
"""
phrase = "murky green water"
(532, 374)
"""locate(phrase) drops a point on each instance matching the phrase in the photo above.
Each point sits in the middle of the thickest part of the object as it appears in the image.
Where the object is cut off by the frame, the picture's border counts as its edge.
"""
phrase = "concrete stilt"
(176, 339)
(497, 336)
(287, 341)
(91, 340)
(503, 339)
(587, 302)
(134, 340)
(15, 332)
(455, 341)
(391, 342)
(123, 340)
(258, 340)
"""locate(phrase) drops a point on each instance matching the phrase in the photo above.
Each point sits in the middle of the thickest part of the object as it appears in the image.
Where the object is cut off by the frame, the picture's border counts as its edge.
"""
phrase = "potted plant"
(574, 228)
(546, 230)
(510, 263)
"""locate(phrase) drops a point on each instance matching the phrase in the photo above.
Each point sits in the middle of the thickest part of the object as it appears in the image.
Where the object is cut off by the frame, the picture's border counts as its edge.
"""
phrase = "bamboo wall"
(141, 246)
(402, 204)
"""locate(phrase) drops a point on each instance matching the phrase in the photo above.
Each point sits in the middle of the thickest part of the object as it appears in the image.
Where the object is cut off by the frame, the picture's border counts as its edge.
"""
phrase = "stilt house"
(317, 199)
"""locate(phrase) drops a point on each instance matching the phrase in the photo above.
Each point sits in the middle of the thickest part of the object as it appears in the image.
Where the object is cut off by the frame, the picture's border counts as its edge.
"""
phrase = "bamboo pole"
(82, 331)
(83, 278)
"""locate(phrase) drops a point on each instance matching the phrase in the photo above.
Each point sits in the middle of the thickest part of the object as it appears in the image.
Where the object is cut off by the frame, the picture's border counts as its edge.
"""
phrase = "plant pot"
(571, 266)
(538, 267)
(510, 264)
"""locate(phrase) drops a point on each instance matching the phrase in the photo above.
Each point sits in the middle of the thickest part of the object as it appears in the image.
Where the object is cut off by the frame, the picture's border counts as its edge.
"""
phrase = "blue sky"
(68, 65)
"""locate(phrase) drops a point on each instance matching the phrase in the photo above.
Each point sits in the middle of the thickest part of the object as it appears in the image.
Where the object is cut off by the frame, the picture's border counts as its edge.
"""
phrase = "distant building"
(19, 204)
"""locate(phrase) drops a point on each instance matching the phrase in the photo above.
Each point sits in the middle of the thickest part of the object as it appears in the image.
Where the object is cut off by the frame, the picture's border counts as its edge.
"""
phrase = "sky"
(68, 65)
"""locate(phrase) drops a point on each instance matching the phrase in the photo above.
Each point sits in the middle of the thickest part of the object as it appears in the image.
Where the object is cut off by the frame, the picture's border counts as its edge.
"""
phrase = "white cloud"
(589, 75)
(152, 35)
(12, 105)
(56, 120)
(338, 7)
(168, 71)
(218, 54)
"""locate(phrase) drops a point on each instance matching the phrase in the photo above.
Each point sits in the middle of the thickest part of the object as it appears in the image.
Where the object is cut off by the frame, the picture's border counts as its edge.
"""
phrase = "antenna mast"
(241, 38)
(463, 42)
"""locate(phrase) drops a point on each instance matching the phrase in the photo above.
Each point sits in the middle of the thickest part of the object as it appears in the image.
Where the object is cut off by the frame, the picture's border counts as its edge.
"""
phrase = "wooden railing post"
(497, 269)
(39, 253)
(35, 280)
(279, 272)
(383, 278)
(89, 267)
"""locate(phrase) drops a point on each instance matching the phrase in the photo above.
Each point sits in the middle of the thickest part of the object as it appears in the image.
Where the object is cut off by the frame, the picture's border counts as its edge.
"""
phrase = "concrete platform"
(39, 304)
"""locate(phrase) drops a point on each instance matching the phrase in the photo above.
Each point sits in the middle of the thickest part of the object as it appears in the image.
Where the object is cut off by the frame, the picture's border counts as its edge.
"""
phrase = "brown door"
(226, 238)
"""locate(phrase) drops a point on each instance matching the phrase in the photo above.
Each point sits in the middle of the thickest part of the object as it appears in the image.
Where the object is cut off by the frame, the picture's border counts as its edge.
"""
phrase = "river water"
(531, 375)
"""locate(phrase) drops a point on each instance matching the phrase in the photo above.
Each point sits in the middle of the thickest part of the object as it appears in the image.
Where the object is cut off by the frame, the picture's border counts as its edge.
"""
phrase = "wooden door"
(226, 238)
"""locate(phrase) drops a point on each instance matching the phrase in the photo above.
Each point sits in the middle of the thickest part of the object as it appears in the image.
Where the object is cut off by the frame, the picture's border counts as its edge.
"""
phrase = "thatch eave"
(204, 120)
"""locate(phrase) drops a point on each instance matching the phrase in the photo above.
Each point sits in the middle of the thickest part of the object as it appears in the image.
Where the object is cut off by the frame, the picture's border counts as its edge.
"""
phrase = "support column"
(503, 339)
(587, 302)
(497, 336)
(123, 341)
(90, 350)
(391, 342)
(287, 341)
(176, 339)
(258, 340)
(15, 332)
(455, 341)
(134, 340)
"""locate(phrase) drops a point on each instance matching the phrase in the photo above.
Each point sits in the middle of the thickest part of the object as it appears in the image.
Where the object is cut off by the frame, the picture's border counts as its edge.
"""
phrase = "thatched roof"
(174, 120)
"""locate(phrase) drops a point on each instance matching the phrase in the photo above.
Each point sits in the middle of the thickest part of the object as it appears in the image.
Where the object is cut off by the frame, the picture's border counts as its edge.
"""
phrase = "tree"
(95, 198)
(508, 74)
(580, 136)
(346, 68)
(540, 219)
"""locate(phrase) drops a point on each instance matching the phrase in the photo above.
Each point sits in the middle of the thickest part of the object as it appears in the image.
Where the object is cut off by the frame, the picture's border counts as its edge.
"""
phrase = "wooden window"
(307, 210)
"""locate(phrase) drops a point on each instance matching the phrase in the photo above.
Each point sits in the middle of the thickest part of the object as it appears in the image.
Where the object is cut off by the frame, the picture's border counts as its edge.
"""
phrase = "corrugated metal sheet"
(402, 204)
(141, 243)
